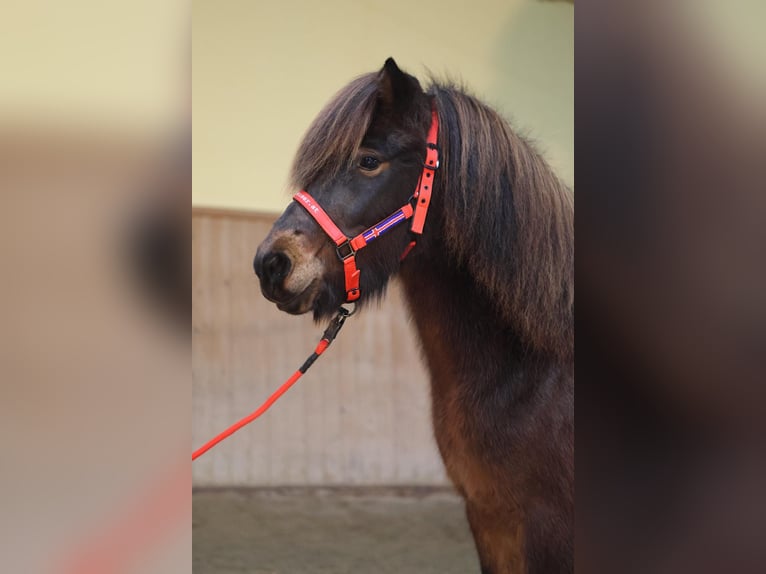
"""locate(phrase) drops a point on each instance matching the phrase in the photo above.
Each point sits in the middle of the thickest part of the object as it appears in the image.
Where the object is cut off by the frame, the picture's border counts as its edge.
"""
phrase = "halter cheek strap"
(347, 247)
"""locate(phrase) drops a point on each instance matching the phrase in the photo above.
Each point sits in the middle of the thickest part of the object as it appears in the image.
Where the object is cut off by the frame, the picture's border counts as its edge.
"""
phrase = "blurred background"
(353, 438)
(671, 306)
(95, 184)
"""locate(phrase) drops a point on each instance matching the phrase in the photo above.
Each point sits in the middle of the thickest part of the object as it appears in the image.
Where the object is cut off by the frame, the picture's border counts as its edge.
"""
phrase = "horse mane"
(507, 217)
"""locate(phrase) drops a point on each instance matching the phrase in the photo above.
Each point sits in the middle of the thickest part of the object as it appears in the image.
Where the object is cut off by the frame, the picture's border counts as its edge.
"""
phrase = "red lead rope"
(328, 337)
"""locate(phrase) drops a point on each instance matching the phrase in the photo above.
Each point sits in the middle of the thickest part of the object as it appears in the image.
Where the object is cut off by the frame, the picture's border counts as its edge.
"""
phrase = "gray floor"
(330, 531)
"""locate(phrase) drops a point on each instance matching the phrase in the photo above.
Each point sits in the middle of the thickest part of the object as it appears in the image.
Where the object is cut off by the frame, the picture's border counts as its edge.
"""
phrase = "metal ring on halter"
(348, 313)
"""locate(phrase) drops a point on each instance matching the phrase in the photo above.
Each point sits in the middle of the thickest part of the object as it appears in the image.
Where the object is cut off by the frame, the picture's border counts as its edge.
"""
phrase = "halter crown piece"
(416, 209)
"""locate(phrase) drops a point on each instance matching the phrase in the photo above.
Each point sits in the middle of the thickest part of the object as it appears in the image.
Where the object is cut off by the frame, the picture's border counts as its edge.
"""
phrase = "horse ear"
(396, 89)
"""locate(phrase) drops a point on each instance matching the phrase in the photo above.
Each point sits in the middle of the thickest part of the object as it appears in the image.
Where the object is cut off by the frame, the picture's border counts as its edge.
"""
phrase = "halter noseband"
(346, 247)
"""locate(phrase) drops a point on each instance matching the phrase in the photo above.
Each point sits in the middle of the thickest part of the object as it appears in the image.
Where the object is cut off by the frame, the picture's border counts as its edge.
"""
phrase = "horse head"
(360, 161)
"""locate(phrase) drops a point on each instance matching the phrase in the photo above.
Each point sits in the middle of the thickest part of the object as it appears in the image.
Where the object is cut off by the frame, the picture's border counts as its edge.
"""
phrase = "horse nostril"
(276, 266)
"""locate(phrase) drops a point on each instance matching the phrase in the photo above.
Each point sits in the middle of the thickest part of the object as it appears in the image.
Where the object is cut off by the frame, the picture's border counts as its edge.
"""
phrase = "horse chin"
(294, 308)
(301, 303)
(326, 304)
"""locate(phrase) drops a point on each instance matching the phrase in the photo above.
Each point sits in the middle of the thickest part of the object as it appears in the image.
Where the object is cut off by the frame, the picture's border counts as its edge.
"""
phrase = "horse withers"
(488, 281)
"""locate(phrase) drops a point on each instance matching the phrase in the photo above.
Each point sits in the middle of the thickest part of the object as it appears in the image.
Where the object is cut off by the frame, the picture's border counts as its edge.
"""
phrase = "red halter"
(346, 247)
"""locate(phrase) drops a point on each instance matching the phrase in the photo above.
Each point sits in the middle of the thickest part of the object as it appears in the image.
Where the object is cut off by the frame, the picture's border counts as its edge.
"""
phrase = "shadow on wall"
(534, 59)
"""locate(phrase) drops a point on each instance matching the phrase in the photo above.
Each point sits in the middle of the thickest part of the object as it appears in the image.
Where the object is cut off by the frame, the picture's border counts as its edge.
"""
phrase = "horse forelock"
(336, 133)
(508, 219)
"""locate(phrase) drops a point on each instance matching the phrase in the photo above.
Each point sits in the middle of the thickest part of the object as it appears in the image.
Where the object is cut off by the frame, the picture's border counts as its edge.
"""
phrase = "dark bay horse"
(489, 285)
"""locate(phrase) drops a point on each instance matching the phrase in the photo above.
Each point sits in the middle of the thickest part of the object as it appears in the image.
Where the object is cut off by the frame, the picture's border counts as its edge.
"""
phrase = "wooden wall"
(360, 417)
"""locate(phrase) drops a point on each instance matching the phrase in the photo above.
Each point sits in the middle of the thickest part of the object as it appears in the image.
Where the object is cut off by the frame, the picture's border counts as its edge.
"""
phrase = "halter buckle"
(435, 148)
(347, 245)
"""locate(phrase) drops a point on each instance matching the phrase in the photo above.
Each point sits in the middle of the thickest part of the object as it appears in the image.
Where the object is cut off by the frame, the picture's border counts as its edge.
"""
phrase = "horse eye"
(369, 163)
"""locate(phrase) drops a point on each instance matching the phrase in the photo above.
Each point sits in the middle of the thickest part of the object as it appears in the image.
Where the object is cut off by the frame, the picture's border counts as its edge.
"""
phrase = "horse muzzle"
(288, 276)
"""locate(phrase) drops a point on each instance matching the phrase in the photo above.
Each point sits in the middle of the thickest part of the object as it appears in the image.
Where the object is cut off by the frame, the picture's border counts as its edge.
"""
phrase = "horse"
(487, 272)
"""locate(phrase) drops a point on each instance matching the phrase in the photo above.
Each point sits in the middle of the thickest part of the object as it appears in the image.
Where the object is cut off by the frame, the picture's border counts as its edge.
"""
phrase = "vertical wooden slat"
(219, 337)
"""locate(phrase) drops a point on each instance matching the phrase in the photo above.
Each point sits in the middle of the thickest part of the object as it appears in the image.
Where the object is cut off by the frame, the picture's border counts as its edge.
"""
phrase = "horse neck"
(463, 337)
(465, 323)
